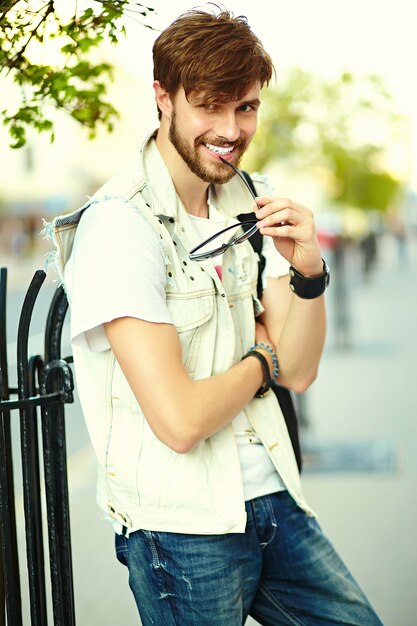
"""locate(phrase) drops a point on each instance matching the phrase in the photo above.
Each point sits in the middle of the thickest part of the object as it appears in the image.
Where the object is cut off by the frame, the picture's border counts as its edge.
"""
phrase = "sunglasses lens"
(246, 235)
(208, 251)
(242, 238)
(215, 245)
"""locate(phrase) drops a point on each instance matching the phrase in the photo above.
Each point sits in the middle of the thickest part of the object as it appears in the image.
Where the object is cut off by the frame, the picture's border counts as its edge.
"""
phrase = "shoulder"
(113, 212)
(117, 224)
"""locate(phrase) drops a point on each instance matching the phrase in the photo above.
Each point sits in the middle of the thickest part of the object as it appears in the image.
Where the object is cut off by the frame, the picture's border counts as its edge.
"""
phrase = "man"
(174, 354)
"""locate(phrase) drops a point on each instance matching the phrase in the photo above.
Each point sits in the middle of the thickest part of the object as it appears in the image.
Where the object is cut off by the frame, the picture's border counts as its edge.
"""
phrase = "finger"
(262, 200)
(284, 231)
(270, 205)
(280, 218)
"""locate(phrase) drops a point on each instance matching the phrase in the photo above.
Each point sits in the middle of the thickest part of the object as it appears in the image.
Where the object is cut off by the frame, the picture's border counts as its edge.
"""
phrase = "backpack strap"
(256, 239)
(283, 395)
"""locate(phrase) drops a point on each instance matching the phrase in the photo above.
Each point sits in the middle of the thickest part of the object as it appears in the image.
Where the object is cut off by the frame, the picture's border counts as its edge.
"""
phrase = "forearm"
(201, 408)
(295, 320)
(180, 411)
(297, 328)
(300, 342)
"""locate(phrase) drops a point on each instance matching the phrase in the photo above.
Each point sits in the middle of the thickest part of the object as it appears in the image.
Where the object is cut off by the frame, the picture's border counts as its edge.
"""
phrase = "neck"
(190, 188)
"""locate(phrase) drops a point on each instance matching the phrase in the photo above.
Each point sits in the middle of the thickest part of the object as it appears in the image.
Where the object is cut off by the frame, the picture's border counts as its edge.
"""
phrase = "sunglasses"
(205, 251)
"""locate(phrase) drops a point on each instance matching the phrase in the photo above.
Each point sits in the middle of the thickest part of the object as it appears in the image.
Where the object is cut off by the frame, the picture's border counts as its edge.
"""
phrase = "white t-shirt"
(112, 234)
(259, 476)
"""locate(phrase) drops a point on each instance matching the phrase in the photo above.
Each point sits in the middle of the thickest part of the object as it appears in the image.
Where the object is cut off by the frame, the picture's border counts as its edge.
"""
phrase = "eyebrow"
(255, 102)
(200, 99)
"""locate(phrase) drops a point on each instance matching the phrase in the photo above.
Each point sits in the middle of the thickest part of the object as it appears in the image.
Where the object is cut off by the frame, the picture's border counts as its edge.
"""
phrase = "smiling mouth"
(218, 149)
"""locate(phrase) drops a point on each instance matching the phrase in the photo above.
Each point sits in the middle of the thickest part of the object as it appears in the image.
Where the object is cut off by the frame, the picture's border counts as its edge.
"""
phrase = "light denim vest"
(142, 483)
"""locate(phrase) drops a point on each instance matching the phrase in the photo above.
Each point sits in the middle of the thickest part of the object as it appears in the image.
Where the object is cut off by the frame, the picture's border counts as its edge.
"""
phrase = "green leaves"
(341, 127)
(74, 81)
(26, 115)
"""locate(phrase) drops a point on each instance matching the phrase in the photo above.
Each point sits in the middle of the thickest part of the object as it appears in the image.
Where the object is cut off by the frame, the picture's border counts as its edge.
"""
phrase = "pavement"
(360, 446)
(366, 397)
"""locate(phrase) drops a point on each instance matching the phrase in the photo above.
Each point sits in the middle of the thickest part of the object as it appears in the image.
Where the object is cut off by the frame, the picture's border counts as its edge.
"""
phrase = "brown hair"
(216, 54)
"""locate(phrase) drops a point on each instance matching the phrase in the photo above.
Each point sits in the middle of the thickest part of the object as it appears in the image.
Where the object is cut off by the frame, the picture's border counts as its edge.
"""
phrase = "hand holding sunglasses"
(204, 251)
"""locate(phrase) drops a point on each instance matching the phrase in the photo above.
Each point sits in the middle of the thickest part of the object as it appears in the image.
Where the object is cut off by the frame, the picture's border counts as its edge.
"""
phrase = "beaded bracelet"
(264, 346)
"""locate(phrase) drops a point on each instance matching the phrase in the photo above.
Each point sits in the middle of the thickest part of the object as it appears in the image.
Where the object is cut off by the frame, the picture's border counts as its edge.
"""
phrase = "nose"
(227, 127)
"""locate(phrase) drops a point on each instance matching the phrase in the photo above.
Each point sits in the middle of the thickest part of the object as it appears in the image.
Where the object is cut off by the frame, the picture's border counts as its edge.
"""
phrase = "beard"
(215, 172)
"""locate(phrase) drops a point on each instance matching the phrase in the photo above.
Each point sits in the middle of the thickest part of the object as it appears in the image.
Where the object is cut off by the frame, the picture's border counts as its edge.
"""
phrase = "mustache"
(238, 143)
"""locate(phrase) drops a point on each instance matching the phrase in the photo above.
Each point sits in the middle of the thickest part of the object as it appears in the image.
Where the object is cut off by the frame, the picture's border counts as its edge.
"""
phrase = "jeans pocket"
(121, 549)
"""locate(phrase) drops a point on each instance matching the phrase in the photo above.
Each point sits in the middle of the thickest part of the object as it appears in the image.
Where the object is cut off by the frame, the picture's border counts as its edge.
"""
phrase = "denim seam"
(273, 521)
(154, 552)
(272, 517)
(294, 620)
(156, 558)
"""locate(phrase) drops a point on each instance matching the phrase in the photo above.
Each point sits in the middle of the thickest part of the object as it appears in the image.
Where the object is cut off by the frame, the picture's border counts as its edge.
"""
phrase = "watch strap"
(262, 391)
(309, 288)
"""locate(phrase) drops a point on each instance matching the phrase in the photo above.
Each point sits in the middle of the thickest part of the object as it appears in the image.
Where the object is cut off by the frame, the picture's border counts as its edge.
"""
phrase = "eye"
(208, 106)
(245, 108)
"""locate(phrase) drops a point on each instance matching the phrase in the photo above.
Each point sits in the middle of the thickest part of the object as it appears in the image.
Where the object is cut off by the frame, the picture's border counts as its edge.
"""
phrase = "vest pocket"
(190, 313)
(124, 441)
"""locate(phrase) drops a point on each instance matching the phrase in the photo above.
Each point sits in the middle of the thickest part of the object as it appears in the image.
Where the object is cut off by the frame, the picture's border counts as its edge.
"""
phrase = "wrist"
(309, 264)
(271, 356)
(314, 271)
(265, 387)
(309, 287)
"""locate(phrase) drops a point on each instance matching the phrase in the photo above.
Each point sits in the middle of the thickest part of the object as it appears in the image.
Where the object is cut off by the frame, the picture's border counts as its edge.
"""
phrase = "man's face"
(202, 132)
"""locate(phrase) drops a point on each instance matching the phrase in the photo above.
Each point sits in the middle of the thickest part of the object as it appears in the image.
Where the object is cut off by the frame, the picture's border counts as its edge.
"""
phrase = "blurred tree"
(340, 128)
(74, 81)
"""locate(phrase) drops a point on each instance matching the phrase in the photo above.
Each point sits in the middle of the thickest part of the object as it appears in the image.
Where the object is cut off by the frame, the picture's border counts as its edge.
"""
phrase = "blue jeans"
(282, 570)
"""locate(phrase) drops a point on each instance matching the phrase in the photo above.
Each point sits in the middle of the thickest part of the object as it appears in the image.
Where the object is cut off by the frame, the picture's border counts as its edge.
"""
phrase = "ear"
(163, 99)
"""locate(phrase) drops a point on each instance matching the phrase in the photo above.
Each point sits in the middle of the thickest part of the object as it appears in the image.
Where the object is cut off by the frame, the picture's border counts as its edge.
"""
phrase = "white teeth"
(218, 149)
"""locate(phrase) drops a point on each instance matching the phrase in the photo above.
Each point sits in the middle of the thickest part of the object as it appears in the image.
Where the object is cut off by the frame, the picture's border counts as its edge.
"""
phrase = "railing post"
(26, 372)
(8, 533)
(57, 376)
(3, 386)
(49, 386)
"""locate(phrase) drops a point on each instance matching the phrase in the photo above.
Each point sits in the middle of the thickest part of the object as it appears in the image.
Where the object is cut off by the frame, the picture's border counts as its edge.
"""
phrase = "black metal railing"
(46, 385)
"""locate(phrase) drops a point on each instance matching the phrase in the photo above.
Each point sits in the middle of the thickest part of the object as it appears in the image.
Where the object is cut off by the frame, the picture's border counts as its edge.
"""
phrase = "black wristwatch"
(309, 288)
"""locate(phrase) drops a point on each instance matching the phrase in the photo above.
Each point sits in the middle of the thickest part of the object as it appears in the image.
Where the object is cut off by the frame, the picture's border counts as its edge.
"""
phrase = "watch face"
(327, 274)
